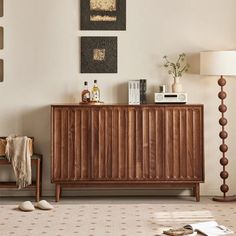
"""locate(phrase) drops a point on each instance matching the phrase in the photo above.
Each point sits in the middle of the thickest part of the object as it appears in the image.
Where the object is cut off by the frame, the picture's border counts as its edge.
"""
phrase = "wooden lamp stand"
(223, 147)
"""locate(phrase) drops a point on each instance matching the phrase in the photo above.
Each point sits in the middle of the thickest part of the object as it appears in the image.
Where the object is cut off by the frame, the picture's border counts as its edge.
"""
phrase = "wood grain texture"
(127, 144)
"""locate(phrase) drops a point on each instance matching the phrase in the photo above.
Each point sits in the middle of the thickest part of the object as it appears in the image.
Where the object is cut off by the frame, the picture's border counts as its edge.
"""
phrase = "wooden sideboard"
(127, 145)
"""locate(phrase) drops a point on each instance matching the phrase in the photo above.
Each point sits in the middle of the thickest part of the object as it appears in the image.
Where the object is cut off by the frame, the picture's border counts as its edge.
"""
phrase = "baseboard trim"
(110, 192)
(71, 192)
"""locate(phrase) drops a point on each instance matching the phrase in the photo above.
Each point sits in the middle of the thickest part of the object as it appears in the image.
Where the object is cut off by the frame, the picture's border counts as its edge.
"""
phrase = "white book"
(209, 228)
(134, 92)
(131, 92)
(137, 92)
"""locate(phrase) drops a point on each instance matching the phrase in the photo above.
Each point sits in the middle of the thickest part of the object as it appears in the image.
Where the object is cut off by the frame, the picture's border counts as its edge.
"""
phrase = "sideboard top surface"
(124, 105)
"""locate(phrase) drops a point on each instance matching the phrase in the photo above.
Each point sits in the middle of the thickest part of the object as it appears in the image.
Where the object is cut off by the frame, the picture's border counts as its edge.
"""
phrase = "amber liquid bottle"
(85, 93)
(95, 93)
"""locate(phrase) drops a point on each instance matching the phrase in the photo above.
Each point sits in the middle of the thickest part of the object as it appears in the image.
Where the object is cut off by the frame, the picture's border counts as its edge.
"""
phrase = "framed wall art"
(1, 70)
(103, 14)
(1, 8)
(98, 54)
(1, 41)
(1, 37)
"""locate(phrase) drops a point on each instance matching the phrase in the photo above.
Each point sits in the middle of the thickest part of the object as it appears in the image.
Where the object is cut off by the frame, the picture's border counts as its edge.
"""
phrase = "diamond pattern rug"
(111, 219)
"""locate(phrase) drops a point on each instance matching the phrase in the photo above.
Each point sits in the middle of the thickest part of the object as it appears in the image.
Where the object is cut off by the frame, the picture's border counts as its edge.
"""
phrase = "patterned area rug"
(111, 219)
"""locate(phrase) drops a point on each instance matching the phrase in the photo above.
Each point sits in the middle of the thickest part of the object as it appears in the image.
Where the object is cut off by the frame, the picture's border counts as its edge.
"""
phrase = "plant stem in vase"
(176, 70)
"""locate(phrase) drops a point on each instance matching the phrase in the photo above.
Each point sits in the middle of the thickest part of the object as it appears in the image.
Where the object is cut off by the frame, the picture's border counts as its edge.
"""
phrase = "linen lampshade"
(218, 63)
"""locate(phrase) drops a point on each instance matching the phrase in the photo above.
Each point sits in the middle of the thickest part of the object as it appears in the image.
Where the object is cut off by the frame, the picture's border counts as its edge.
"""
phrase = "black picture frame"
(1, 70)
(1, 7)
(1, 37)
(98, 55)
(119, 14)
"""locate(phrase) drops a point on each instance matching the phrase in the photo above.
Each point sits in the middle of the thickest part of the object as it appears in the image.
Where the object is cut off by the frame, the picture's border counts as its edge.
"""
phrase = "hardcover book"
(137, 92)
(208, 228)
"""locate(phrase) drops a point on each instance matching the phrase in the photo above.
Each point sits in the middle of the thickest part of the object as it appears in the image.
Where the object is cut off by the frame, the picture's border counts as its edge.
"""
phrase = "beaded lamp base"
(224, 199)
(223, 147)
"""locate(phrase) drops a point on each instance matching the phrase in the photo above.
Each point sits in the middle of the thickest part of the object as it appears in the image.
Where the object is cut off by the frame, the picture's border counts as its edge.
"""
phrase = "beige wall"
(42, 65)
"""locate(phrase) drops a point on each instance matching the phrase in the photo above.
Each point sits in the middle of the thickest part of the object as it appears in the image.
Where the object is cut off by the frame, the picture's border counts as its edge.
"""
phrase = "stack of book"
(137, 91)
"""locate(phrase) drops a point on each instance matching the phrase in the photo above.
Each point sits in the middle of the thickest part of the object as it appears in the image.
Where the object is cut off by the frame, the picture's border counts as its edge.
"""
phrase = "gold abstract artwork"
(103, 18)
(99, 54)
(103, 5)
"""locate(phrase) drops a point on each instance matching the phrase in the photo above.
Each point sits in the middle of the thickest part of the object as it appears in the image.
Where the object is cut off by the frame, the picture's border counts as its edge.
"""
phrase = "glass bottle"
(95, 92)
(85, 93)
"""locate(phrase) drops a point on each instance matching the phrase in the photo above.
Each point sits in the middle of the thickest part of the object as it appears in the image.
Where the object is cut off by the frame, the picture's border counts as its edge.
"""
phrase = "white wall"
(42, 65)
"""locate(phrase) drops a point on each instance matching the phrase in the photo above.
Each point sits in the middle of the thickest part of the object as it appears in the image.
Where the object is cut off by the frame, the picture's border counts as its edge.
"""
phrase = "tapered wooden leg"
(196, 190)
(58, 192)
(38, 170)
(41, 176)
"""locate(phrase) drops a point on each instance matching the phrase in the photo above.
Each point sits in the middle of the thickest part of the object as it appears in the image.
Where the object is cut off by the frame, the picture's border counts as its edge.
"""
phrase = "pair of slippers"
(28, 206)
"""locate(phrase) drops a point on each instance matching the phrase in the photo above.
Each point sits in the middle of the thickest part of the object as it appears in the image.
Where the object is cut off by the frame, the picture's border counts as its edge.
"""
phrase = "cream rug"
(128, 219)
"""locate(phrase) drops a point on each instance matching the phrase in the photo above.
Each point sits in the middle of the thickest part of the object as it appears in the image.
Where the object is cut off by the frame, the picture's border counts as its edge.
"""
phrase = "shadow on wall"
(122, 93)
(36, 123)
(194, 62)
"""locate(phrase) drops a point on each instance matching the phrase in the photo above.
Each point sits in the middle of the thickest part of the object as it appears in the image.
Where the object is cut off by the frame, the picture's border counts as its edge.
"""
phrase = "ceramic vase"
(176, 86)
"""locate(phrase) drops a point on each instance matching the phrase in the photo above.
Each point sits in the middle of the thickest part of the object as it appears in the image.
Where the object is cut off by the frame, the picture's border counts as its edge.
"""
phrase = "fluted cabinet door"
(145, 143)
(108, 143)
(126, 143)
(183, 143)
(71, 144)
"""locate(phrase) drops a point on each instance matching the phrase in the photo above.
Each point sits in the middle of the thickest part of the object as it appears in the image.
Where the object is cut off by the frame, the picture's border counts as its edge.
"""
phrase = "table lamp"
(220, 63)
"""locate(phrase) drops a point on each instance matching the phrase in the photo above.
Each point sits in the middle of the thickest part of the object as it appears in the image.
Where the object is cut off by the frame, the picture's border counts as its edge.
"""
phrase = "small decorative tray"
(91, 103)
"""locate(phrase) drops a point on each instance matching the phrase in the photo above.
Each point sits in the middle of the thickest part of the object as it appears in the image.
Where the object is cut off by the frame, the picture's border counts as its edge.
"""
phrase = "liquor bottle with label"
(85, 93)
(95, 93)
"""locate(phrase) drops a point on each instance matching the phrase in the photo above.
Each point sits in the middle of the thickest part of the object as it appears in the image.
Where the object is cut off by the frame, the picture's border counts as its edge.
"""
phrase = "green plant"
(178, 68)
